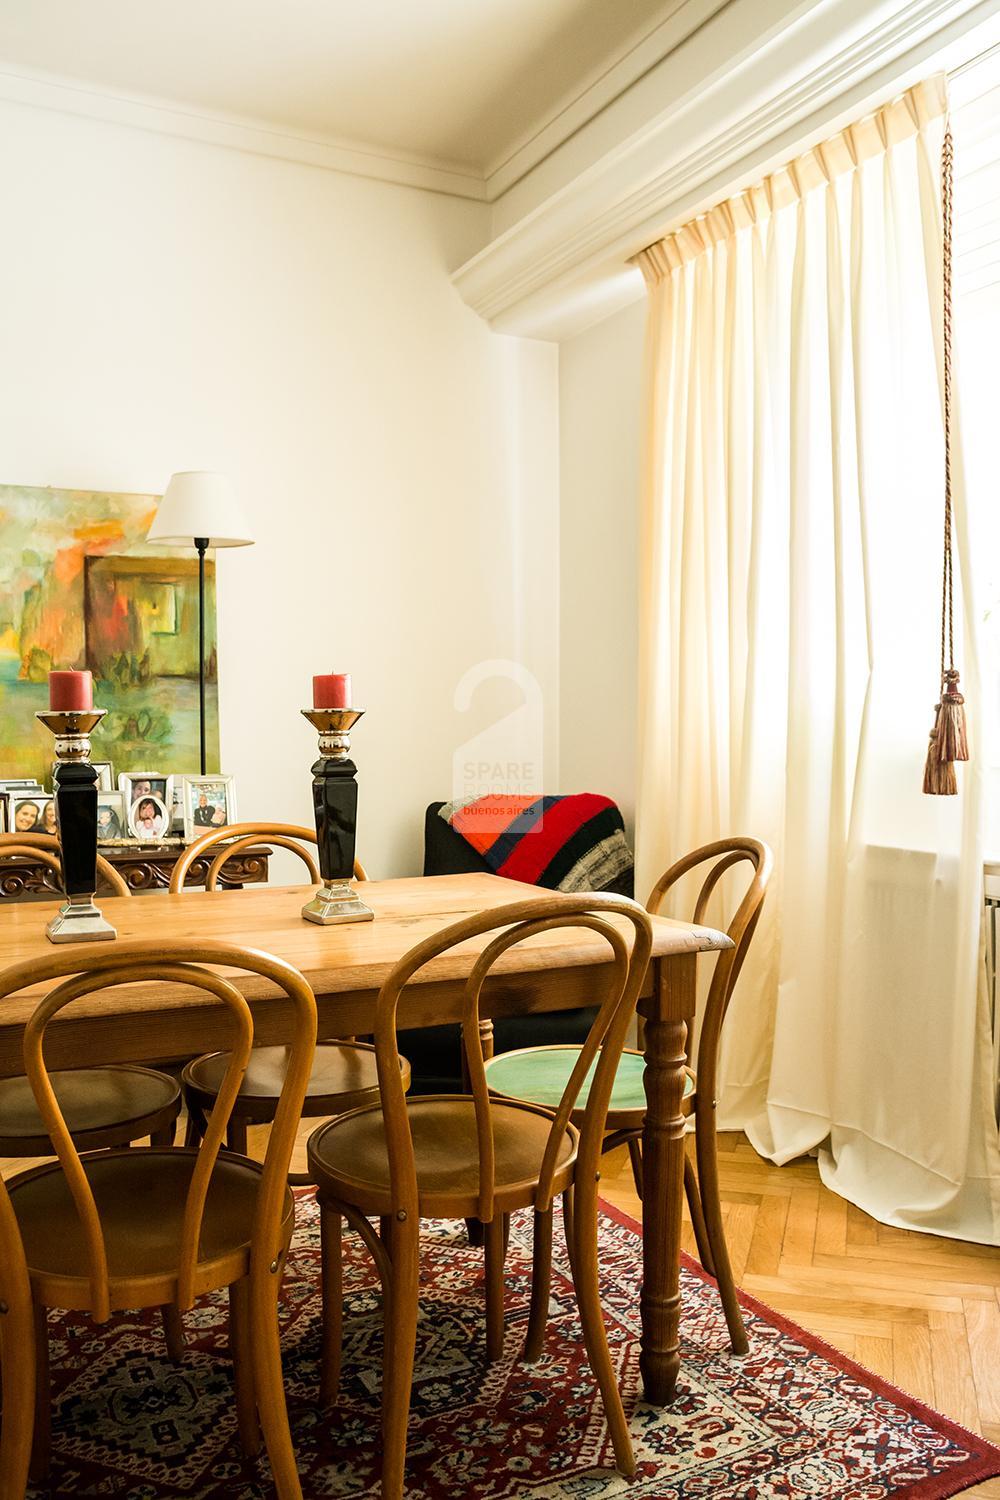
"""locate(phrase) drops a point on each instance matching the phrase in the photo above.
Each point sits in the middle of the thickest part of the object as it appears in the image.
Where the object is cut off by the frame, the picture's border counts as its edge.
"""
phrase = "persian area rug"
(793, 1418)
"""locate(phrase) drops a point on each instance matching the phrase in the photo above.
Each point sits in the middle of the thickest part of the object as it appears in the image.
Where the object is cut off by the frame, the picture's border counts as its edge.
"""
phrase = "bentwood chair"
(155, 1226)
(539, 1074)
(473, 1157)
(104, 1106)
(343, 1074)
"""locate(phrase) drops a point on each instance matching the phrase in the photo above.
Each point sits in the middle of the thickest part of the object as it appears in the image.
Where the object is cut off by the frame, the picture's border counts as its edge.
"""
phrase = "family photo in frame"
(111, 825)
(209, 802)
(148, 799)
(31, 813)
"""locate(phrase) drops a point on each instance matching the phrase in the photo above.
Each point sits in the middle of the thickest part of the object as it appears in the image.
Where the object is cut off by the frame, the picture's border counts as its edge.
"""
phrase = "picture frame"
(177, 801)
(135, 784)
(105, 775)
(148, 818)
(209, 802)
(113, 830)
(11, 787)
(43, 809)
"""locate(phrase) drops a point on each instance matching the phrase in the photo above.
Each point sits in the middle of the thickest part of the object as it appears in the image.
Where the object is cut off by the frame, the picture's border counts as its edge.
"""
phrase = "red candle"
(332, 690)
(69, 691)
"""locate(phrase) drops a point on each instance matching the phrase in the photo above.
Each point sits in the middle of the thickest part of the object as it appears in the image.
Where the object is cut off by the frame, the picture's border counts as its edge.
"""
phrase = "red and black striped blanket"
(572, 843)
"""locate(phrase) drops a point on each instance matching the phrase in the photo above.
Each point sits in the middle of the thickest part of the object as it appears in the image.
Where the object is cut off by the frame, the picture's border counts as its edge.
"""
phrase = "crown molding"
(679, 19)
(734, 122)
(69, 96)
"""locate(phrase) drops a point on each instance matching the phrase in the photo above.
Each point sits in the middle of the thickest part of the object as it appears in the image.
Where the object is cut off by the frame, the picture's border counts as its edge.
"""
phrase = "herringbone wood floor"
(920, 1311)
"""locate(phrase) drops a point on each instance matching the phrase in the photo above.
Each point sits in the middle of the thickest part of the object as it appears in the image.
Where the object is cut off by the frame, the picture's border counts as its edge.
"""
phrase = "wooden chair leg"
(331, 1252)
(41, 1437)
(194, 1129)
(588, 1297)
(541, 1281)
(385, 1231)
(475, 1229)
(236, 1136)
(693, 1193)
(268, 1380)
(711, 1203)
(567, 1199)
(247, 1423)
(403, 1288)
(635, 1157)
(495, 1257)
(173, 1331)
(164, 1137)
(18, 1373)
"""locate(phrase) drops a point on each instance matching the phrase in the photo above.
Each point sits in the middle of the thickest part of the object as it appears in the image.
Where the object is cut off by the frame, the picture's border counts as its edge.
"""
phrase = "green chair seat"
(540, 1075)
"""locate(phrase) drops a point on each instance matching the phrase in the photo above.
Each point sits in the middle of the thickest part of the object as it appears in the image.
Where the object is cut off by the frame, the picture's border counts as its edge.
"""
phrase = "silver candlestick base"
(80, 921)
(74, 787)
(337, 901)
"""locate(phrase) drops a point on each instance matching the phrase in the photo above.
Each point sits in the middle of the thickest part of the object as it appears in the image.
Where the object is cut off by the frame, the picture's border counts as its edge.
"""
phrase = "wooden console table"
(144, 869)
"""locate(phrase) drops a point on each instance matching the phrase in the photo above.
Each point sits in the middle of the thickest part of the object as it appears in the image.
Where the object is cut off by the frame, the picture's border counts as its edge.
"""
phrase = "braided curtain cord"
(949, 740)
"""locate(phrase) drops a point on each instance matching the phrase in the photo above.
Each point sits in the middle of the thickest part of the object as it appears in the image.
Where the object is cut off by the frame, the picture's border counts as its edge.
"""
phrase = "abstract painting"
(80, 588)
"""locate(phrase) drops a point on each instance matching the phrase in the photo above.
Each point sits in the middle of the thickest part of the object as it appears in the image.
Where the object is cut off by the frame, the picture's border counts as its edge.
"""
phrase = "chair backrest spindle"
(179, 963)
(238, 837)
(514, 924)
(724, 855)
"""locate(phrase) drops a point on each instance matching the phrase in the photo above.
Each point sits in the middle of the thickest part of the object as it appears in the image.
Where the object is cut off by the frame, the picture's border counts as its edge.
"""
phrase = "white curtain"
(790, 616)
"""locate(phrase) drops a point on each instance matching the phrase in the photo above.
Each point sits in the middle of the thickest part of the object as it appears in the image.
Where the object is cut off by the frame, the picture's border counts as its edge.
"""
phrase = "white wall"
(172, 305)
(600, 380)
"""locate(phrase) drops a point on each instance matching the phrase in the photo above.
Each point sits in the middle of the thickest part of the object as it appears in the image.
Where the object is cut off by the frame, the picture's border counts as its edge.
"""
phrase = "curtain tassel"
(949, 741)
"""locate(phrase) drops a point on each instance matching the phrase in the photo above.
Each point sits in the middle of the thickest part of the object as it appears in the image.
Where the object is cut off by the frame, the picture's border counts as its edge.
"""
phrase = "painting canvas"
(80, 588)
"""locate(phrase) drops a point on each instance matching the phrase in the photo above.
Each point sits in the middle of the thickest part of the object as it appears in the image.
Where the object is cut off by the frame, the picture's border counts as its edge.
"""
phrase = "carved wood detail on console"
(143, 870)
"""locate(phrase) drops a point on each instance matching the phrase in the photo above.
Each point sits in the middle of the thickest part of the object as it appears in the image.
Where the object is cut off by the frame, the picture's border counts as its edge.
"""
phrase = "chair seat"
(348, 1157)
(140, 1195)
(343, 1077)
(101, 1106)
(540, 1075)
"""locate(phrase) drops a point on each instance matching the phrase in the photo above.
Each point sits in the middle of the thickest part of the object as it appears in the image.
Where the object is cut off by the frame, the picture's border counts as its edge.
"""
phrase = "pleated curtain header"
(890, 125)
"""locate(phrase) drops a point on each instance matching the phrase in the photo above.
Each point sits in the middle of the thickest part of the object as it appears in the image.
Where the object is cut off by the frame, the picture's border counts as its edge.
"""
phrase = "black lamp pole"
(201, 542)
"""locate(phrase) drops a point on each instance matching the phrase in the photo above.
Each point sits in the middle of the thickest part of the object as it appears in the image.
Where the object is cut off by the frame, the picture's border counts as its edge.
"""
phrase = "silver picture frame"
(205, 798)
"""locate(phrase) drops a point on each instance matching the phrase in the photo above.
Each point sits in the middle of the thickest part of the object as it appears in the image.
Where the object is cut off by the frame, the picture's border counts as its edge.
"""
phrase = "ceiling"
(458, 82)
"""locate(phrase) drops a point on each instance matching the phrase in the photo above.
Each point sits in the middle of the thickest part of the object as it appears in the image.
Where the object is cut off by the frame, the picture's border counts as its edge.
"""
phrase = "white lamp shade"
(199, 503)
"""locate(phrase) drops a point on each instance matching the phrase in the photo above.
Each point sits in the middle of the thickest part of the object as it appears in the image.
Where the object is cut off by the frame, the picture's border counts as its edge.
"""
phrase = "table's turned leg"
(667, 1012)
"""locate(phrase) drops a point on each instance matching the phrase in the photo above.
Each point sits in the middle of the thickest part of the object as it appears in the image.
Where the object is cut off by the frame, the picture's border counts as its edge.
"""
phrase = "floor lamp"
(200, 510)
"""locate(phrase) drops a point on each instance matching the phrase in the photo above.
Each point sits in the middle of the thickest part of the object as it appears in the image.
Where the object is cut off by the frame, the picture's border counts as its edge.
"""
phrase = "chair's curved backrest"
(239, 836)
(721, 856)
(44, 849)
(175, 962)
(619, 925)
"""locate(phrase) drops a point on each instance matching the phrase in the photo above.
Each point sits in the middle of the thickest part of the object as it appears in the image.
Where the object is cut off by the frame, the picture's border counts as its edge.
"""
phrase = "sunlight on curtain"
(975, 114)
(790, 621)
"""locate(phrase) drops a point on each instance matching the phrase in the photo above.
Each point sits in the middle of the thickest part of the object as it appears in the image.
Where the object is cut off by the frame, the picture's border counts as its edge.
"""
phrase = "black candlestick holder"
(335, 803)
(74, 785)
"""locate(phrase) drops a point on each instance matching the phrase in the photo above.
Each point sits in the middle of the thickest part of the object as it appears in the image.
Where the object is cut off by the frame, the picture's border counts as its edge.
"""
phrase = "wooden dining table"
(345, 965)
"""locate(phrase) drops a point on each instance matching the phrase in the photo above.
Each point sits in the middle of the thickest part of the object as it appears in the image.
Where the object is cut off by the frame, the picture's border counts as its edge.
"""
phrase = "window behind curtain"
(975, 115)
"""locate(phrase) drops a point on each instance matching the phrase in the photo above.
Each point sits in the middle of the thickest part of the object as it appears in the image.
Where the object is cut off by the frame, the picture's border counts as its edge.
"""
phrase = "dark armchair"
(435, 1052)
